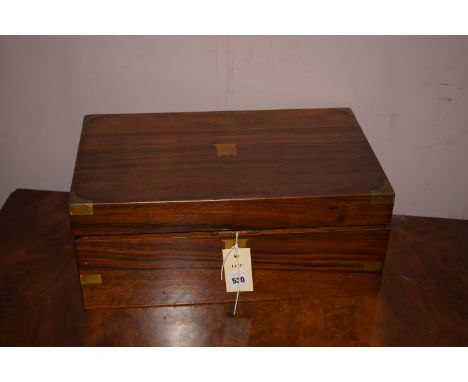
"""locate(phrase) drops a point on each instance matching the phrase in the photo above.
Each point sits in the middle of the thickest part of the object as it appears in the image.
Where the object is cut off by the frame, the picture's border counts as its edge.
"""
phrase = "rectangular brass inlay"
(91, 279)
(225, 149)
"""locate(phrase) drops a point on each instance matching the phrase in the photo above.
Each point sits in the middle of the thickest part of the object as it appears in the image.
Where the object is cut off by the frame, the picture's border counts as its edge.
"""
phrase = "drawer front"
(153, 270)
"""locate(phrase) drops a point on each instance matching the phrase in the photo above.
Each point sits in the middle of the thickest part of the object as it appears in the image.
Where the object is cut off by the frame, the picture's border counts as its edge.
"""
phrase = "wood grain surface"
(275, 169)
(145, 270)
(422, 299)
(232, 215)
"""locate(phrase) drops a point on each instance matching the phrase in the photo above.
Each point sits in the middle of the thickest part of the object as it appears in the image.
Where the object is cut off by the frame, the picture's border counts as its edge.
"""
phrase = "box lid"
(229, 170)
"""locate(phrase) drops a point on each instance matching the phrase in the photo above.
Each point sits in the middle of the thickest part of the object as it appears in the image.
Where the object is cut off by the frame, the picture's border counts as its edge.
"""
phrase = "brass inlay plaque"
(225, 149)
(91, 279)
(78, 206)
(385, 195)
(228, 243)
(372, 266)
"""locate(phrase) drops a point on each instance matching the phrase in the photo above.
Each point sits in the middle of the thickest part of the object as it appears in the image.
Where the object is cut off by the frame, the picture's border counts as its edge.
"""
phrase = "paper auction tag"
(238, 278)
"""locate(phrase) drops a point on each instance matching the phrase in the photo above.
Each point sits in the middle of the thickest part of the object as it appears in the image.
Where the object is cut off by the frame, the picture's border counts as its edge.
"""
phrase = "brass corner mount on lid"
(384, 195)
(78, 206)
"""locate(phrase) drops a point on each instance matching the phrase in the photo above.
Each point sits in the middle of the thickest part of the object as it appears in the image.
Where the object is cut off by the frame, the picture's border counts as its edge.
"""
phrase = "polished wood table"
(423, 298)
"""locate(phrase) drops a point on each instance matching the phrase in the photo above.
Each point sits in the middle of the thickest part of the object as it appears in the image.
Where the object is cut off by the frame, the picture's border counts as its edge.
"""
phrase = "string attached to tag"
(235, 248)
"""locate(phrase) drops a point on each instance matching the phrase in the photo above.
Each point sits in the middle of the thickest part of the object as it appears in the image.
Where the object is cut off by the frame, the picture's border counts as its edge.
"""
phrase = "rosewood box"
(156, 197)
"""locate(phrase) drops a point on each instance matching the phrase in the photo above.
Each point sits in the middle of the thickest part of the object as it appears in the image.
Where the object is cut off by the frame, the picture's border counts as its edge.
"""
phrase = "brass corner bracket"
(372, 266)
(384, 195)
(78, 206)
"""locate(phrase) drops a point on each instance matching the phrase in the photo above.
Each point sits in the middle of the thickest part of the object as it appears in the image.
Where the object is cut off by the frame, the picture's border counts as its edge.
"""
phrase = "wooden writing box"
(156, 197)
